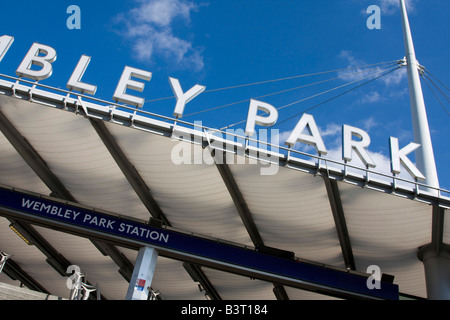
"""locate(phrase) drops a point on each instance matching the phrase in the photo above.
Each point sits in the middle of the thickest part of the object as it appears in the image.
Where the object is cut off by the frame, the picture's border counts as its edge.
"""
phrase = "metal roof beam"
(54, 258)
(33, 159)
(129, 171)
(245, 214)
(239, 201)
(40, 167)
(135, 180)
(197, 275)
(339, 220)
(126, 267)
(141, 189)
(280, 292)
(15, 272)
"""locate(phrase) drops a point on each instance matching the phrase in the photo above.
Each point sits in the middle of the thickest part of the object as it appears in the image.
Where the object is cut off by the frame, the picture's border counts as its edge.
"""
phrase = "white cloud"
(331, 129)
(391, 6)
(149, 28)
(161, 13)
(369, 123)
(356, 71)
(370, 97)
(395, 77)
(355, 68)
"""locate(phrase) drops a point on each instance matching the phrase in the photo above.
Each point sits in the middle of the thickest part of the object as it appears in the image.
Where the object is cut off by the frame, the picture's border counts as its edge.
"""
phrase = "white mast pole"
(424, 155)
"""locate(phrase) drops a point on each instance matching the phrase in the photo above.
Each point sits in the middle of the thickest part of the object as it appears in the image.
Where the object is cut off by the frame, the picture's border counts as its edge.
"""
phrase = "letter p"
(253, 118)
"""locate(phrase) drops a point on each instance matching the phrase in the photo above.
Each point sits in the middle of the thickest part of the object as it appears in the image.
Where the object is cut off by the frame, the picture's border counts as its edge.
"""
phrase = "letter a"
(374, 21)
(373, 282)
(74, 21)
(314, 138)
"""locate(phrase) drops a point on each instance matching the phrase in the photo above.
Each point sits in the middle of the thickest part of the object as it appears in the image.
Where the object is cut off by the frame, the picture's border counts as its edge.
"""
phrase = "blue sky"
(221, 44)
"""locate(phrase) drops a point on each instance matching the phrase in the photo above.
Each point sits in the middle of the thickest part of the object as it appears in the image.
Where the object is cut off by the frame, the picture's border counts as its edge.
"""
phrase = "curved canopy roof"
(141, 166)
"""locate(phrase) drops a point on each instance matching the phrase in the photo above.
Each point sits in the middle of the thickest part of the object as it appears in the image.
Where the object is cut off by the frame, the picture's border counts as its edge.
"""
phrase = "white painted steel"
(424, 155)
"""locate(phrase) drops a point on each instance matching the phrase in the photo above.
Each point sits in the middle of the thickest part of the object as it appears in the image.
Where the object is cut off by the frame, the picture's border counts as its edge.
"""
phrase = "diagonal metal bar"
(280, 292)
(197, 275)
(15, 272)
(245, 214)
(54, 258)
(133, 177)
(339, 220)
(239, 201)
(125, 266)
(33, 159)
(143, 192)
(40, 167)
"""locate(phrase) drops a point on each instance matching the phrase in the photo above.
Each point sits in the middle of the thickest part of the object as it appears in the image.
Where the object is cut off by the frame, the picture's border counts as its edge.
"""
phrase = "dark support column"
(436, 260)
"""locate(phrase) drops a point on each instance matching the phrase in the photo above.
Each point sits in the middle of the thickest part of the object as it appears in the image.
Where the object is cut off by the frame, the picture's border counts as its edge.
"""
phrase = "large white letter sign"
(75, 80)
(398, 156)
(126, 82)
(314, 138)
(5, 43)
(348, 145)
(183, 98)
(253, 118)
(32, 58)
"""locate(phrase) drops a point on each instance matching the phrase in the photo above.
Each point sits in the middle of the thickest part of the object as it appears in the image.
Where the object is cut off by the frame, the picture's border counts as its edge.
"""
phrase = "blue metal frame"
(13, 202)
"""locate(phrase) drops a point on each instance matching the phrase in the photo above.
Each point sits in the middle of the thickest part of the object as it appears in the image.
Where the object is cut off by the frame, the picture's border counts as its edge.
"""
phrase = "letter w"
(27, 203)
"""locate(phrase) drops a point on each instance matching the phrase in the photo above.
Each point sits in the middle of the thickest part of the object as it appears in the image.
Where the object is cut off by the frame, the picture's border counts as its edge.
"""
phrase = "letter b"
(34, 58)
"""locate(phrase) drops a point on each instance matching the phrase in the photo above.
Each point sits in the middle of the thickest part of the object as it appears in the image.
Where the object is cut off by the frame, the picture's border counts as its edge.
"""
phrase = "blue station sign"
(189, 247)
